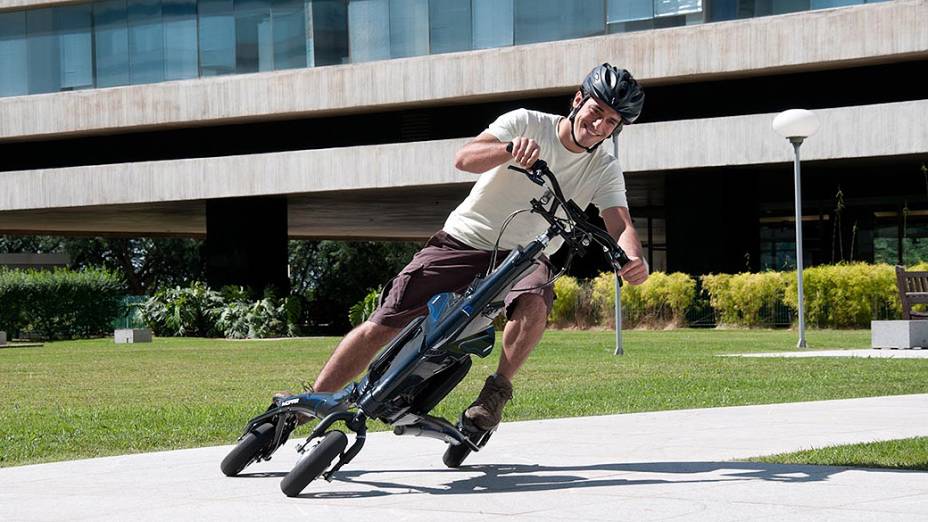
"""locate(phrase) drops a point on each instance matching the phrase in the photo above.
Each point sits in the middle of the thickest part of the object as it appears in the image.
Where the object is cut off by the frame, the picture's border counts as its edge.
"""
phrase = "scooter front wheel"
(314, 463)
(455, 455)
(248, 449)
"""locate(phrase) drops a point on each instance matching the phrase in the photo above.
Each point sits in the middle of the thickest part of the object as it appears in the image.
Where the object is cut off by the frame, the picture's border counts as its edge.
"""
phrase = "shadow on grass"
(519, 478)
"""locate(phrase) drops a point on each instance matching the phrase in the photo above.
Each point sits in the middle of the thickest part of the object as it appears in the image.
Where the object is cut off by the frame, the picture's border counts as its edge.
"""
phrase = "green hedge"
(59, 304)
(740, 299)
(660, 302)
(845, 295)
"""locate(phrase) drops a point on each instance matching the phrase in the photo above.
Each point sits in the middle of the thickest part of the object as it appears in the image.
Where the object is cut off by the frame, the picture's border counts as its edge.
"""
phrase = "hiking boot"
(277, 398)
(487, 411)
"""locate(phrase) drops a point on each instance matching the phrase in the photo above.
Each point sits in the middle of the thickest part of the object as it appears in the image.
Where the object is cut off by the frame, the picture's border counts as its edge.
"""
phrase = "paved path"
(645, 466)
(865, 354)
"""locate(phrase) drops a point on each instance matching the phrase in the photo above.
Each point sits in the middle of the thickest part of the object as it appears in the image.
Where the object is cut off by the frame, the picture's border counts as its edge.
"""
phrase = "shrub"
(59, 304)
(740, 299)
(200, 311)
(363, 309)
(183, 311)
(659, 302)
(567, 293)
(845, 295)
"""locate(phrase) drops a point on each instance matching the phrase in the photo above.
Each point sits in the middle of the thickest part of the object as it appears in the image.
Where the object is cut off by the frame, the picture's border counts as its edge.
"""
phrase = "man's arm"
(486, 152)
(620, 227)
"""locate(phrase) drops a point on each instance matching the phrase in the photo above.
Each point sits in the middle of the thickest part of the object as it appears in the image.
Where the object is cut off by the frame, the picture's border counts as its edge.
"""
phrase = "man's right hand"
(525, 151)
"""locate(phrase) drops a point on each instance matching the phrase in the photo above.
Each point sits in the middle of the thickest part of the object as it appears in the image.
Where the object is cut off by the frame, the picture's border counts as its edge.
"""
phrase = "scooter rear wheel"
(314, 463)
(248, 449)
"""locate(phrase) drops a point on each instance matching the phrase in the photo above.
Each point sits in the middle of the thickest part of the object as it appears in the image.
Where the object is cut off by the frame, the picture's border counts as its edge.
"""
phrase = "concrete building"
(249, 122)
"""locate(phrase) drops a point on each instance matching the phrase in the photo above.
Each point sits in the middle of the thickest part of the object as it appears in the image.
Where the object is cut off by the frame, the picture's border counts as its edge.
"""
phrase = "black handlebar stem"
(539, 174)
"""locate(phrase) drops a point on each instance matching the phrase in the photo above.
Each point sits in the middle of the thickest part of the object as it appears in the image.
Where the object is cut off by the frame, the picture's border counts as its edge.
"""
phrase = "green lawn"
(67, 400)
(893, 454)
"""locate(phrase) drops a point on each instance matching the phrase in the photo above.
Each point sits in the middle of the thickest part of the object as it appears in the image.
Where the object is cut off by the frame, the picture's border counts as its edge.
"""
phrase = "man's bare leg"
(352, 355)
(523, 331)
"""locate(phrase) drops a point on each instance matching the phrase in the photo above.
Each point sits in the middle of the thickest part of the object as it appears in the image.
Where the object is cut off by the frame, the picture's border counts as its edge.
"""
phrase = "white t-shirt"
(584, 177)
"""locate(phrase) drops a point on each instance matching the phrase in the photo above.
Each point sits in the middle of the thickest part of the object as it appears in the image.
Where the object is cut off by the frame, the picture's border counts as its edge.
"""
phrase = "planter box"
(132, 335)
(899, 334)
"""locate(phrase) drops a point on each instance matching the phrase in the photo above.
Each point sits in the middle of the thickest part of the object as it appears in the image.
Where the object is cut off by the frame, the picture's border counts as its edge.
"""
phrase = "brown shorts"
(446, 264)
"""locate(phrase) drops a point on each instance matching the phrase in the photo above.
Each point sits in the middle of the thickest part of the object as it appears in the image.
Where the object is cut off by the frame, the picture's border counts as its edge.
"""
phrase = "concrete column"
(246, 243)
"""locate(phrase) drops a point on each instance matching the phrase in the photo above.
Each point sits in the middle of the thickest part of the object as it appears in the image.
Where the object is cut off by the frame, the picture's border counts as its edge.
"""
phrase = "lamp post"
(619, 349)
(796, 125)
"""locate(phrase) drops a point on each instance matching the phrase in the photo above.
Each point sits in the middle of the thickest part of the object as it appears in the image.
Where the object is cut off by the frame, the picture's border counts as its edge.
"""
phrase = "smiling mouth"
(590, 131)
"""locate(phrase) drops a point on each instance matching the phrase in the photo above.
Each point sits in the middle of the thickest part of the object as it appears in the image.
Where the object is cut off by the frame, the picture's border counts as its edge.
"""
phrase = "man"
(608, 98)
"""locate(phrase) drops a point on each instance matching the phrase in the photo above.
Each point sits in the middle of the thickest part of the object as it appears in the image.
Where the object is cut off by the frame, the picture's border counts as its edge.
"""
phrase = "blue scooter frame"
(420, 366)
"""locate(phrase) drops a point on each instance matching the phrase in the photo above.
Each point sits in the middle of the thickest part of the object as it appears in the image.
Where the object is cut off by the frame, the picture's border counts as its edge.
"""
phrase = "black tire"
(245, 452)
(455, 455)
(314, 463)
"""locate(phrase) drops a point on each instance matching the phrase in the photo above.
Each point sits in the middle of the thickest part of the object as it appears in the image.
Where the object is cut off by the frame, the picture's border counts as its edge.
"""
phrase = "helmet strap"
(571, 117)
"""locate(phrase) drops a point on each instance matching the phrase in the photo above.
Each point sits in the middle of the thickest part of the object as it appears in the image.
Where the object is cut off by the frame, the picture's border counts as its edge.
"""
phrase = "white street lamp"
(796, 125)
(619, 349)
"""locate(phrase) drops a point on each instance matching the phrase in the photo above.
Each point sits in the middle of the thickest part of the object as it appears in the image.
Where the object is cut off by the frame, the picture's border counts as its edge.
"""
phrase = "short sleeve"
(509, 125)
(611, 191)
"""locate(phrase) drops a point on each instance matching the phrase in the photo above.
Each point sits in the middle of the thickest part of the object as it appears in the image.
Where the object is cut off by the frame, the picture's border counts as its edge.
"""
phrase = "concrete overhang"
(854, 35)
(405, 190)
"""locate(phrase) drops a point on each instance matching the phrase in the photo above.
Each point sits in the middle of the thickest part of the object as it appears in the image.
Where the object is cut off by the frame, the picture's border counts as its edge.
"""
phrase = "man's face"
(595, 121)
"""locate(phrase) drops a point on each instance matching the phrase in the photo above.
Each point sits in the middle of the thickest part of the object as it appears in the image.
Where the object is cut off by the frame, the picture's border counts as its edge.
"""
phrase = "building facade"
(249, 122)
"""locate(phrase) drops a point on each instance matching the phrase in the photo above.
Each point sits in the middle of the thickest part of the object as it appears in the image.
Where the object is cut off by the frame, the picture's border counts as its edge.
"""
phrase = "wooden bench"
(913, 290)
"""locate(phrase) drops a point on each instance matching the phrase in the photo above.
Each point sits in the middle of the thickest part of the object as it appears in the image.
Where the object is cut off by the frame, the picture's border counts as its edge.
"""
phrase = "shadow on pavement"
(517, 478)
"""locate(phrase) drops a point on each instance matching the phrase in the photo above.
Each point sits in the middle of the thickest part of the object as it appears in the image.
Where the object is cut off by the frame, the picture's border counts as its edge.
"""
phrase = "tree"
(146, 264)
(334, 275)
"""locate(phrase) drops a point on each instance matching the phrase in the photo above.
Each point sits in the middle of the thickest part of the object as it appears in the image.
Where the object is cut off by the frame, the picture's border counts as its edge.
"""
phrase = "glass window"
(789, 6)
(42, 50)
(369, 30)
(886, 243)
(289, 19)
(825, 4)
(492, 23)
(450, 26)
(146, 41)
(329, 35)
(179, 18)
(548, 20)
(915, 242)
(111, 43)
(13, 80)
(409, 28)
(75, 45)
(628, 10)
(217, 37)
(676, 7)
(254, 45)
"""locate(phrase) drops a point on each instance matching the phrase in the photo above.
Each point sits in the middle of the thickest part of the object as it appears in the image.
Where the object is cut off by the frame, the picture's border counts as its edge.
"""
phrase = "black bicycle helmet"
(616, 88)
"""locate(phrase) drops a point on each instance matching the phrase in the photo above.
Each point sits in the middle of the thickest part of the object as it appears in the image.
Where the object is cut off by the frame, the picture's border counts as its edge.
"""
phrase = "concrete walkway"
(646, 466)
(856, 353)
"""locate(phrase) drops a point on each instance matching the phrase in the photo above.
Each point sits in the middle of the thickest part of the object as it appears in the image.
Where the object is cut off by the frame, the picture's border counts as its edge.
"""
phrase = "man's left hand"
(635, 271)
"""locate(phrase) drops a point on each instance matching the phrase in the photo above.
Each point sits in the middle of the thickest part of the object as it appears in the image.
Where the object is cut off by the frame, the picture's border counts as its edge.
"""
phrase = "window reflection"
(217, 37)
(180, 38)
(146, 41)
(13, 54)
(450, 27)
(547, 20)
(111, 39)
(254, 48)
(329, 33)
